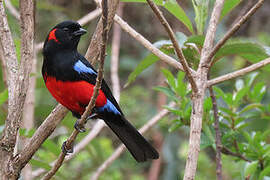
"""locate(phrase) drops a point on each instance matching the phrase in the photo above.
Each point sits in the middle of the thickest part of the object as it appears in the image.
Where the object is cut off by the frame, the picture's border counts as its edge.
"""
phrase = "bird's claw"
(79, 127)
(92, 116)
(66, 150)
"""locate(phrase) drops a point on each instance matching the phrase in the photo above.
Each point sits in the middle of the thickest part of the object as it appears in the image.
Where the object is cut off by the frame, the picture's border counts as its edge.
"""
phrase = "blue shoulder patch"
(109, 107)
(82, 68)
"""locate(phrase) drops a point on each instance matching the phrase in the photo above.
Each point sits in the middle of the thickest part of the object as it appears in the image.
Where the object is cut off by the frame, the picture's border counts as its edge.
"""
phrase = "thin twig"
(235, 28)
(90, 16)
(93, 51)
(218, 135)
(176, 46)
(78, 148)
(115, 55)
(238, 73)
(148, 45)
(227, 151)
(121, 148)
(70, 141)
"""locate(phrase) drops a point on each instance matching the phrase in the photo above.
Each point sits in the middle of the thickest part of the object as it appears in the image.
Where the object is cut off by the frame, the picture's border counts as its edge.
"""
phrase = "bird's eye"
(65, 29)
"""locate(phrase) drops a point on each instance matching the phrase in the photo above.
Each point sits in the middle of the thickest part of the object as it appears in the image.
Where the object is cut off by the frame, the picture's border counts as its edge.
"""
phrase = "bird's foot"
(79, 127)
(65, 149)
(92, 116)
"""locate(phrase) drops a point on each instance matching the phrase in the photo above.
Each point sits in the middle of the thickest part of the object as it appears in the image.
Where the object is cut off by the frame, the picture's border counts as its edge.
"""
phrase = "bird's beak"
(80, 32)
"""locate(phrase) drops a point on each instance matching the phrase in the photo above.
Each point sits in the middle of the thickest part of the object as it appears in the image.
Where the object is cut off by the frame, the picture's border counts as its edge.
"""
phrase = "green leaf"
(52, 147)
(167, 91)
(3, 96)
(249, 107)
(40, 164)
(246, 49)
(169, 76)
(201, 14)
(181, 88)
(239, 95)
(264, 173)
(250, 168)
(181, 38)
(196, 39)
(205, 141)
(251, 78)
(239, 84)
(175, 111)
(229, 5)
(176, 125)
(145, 63)
(258, 91)
(219, 92)
(207, 104)
(173, 7)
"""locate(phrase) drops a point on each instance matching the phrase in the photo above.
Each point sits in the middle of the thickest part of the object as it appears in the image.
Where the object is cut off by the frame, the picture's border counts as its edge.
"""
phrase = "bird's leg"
(81, 128)
(65, 149)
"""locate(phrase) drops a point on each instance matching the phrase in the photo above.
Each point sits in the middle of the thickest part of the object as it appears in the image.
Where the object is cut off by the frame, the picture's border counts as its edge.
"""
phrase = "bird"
(70, 79)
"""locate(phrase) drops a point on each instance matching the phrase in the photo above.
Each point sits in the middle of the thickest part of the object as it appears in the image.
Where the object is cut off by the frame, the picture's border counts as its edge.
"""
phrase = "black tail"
(137, 145)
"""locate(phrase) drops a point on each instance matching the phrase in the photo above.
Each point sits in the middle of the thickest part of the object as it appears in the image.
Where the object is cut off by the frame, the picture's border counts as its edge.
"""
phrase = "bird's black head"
(64, 36)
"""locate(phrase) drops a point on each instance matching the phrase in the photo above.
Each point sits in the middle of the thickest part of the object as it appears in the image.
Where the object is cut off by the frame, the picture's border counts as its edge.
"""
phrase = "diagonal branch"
(122, 148)
(137, 36)
(41, 134)
(70, 141)
(238, 73)
(93, 50)
(176, 46)
(235, 28)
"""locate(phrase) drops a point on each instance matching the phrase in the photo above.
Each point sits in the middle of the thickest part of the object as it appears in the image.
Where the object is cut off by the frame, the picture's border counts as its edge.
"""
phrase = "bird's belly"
(74, 95)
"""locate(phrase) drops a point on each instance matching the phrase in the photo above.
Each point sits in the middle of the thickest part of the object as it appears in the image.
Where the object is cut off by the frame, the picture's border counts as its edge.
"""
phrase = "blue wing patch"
(82, 68)
(109, 107)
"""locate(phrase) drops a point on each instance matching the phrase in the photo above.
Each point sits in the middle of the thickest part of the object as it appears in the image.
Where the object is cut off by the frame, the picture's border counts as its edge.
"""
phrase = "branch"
(115, 56)
(41, 134)
(235, 28)
(227, 151)
(12, 9)
(89, 17)
(198, 98)
(210, 35)
(28, 115)
(93, 50)
(164, 57)
(175, 44)
(78, 148)
(238, 73)
(17, 79)
(70, 141)
(82, 21)
(218, 135)
(121, 148)
(3, 66)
